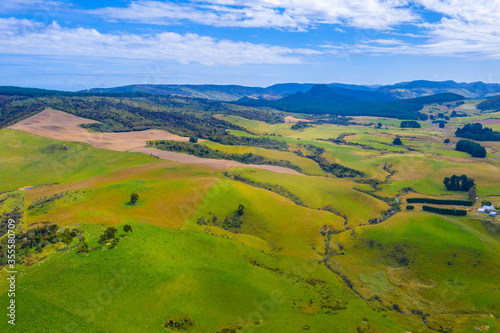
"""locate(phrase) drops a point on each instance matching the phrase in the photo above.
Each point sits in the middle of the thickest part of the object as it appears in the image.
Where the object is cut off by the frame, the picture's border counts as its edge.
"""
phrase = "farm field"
(63, 126)
(221, 246)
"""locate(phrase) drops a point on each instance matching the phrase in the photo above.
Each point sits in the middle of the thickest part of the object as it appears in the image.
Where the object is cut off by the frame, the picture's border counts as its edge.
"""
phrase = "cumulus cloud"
(18, 36)
(282, 14)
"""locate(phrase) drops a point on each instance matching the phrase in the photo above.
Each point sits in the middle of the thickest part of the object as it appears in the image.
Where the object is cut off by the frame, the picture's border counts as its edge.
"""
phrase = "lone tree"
(241, 210)
(193, 139)
(66, 238)
(397, 141)
(472, 194)
(127, 228)
(109, 234)
(133, 198)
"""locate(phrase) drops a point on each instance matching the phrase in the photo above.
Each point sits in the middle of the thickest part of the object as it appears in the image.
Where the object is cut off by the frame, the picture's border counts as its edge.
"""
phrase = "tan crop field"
(64, 126)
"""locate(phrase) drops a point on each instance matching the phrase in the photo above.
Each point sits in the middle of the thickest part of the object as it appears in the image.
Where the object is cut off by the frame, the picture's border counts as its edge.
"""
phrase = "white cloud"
(466, 28)
(281, 14)
(38, 5)
(28, 37)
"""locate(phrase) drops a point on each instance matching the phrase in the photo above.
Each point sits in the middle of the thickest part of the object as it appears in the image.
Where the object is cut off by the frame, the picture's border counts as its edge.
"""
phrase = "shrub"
(397, 141)
(133, 198)
(300, 126)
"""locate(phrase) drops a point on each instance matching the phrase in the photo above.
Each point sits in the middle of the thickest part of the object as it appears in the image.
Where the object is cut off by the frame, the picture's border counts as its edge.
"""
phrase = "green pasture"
(307, 165)
(25, 161)
(147, 279)
(460, 277)
(317, 192)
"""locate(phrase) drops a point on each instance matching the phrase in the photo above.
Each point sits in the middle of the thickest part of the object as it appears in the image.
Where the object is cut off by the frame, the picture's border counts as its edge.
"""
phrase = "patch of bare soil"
(64, 126)
(290, 119)
(492, 121)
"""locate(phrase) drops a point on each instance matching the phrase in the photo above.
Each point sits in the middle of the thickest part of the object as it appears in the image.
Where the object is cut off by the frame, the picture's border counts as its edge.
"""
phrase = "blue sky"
(73, 45)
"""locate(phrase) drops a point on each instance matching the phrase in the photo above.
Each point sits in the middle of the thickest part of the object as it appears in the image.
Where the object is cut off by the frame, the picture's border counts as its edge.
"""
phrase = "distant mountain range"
(323, 99)
(403, 90)
(402, 100)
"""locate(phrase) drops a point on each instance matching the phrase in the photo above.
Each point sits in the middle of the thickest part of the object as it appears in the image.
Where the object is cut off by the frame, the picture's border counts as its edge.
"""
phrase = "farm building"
(486, 209)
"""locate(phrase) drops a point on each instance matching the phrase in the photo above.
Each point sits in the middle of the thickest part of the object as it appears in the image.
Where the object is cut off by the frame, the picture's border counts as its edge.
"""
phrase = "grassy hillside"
(31, 160)
(460, 276)
(356, 206)
(230, 285)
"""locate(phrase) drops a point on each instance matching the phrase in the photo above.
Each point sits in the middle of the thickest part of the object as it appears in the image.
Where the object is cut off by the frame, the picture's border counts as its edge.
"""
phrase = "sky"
(81, 44)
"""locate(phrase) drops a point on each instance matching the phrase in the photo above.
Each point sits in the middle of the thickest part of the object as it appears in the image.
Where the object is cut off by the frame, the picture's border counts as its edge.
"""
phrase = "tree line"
(477, 132)
(203, 151)
(335, 169)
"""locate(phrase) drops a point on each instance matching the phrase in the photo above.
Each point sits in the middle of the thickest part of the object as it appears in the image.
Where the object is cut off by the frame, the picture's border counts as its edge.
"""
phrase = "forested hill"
(322, 99)
(180, 115)
(129, 111)
(490, 104)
